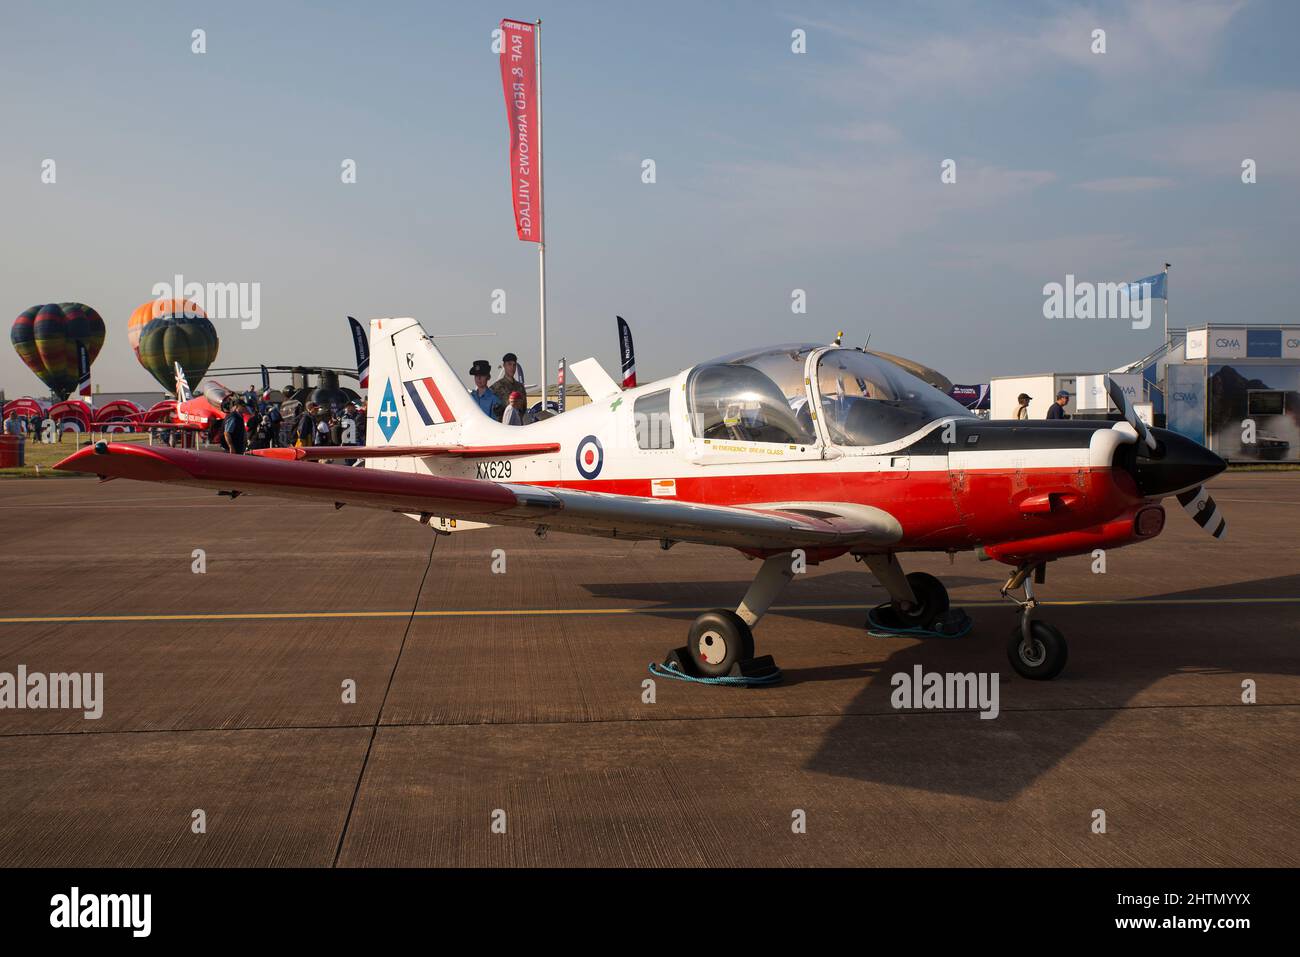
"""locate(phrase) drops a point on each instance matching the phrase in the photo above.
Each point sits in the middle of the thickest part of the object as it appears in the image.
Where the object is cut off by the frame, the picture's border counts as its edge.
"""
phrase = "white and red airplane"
(195, 413)
(817, 449)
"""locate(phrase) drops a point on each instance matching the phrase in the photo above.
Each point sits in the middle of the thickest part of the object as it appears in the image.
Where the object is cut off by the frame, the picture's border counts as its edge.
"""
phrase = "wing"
(775, 526)
(168, 426)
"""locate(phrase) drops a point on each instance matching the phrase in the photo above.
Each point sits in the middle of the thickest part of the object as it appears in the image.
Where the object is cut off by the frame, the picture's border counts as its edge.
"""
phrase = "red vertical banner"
(519, 81)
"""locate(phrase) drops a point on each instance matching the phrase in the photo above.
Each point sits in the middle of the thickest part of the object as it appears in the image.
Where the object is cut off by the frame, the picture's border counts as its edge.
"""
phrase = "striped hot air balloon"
(46, 339)
(163, 332)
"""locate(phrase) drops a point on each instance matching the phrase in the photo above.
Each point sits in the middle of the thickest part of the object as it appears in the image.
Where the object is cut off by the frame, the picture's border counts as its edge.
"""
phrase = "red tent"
(116, 416)
(25, 406)
(71, 414)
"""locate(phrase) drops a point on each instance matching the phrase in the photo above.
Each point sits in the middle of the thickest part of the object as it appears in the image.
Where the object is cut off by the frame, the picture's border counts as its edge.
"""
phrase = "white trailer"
(1041, 389)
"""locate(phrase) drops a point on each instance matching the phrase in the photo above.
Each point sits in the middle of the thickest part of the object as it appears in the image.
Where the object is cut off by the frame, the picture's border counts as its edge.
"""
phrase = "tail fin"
(182, 385)
(414, 397)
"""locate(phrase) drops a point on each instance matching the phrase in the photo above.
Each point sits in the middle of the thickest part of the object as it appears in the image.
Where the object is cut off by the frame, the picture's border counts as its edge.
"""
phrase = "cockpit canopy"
(761, 397)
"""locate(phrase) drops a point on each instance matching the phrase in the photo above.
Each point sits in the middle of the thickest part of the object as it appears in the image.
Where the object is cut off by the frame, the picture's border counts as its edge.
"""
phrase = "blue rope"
(877, 630)
(672, 671)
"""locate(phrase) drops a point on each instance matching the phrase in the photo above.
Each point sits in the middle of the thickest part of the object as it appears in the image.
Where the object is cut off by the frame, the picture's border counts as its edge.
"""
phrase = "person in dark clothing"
(271, 415)
(1057, 409)
(234, 433)
(508, 382)
(483, 396)
(305, 428)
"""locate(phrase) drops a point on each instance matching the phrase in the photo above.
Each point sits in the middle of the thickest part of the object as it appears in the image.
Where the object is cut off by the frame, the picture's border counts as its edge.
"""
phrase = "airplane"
(192, 413)
(799, 451)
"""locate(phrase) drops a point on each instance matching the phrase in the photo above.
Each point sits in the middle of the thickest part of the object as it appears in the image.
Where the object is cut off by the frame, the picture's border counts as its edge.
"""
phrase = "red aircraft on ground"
(193, 413)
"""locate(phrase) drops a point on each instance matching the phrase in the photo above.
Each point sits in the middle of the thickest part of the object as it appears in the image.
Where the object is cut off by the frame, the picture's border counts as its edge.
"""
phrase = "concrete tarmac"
(518, 698)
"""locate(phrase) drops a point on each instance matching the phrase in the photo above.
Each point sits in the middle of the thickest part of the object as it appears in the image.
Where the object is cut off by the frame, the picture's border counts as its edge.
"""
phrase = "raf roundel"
(590, 457)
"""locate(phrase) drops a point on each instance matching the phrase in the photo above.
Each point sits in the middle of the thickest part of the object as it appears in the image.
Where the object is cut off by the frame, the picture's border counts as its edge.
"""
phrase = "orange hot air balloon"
(163, 332)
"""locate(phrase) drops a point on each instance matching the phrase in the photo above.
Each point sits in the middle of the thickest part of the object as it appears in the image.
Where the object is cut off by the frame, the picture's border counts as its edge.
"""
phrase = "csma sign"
(1227, 343)
(1242, 343)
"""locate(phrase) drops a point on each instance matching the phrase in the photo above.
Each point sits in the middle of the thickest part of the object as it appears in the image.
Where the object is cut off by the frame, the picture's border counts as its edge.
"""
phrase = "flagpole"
(1167, 343)
(541, 216)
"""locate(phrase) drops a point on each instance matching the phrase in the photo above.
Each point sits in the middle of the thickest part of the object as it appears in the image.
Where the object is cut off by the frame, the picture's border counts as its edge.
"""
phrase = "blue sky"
(775, 171)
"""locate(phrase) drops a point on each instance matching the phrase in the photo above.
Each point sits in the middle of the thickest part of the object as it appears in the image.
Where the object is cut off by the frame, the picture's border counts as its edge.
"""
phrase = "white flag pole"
(541, 215)
(1167, 265)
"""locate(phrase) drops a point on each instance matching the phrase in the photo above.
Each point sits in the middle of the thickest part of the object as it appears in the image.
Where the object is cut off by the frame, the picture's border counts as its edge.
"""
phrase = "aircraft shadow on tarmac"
(839, 588)
(1118, 651)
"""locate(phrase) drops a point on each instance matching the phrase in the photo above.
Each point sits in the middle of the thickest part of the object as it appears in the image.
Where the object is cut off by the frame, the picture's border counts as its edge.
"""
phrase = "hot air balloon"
(167, 331)
(46, 338)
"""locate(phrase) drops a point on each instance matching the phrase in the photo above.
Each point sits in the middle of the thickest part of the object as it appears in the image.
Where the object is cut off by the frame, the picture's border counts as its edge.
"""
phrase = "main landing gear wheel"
(1044, 657)
(718, 639)
(931, 601)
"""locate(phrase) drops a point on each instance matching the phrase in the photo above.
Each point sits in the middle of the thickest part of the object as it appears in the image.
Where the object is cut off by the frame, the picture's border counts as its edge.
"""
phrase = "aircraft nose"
(1178, 463)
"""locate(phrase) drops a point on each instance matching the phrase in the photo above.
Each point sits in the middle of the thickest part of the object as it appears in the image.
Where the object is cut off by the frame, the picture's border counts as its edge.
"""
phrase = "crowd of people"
(258, 422)
(254, 421)
(16, 424)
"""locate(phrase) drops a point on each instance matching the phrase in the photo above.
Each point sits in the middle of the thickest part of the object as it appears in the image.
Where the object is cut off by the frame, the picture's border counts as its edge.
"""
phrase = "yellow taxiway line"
(647, 609)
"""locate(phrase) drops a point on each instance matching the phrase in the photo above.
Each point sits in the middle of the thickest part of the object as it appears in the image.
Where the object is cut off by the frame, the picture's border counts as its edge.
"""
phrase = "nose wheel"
(1036, 650)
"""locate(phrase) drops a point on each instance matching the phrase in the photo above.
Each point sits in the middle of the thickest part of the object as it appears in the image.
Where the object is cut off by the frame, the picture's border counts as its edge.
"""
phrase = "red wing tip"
(69, 464)
(91, 461)
(287, 455)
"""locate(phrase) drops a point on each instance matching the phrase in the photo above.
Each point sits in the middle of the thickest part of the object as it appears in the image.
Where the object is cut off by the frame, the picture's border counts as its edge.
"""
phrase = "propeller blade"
(1130, 415)
(1199, 503)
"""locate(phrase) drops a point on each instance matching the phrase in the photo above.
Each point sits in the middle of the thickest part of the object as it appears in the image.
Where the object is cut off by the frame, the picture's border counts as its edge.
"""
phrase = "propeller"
(1173, 464)
(1199, 503)
(1130, 414)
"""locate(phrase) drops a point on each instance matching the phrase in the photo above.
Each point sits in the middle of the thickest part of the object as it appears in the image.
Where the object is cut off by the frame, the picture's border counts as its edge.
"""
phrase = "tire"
(1048, 656)
(718, 639)
(931, 601)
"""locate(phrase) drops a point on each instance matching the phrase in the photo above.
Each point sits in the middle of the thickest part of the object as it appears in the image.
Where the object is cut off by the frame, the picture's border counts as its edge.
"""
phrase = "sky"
(774, 171)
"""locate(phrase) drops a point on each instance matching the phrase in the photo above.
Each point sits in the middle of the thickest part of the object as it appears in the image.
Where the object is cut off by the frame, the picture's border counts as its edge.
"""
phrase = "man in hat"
(509, 381)
(484, 397)
(1057, 409)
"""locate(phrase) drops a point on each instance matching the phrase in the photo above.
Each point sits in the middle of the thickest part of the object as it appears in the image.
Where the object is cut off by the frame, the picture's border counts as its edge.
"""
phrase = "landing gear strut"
(1037, 650)
(918, 603)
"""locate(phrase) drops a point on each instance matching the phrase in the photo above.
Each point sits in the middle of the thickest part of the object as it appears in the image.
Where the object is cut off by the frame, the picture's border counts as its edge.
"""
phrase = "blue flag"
(1157, 287)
